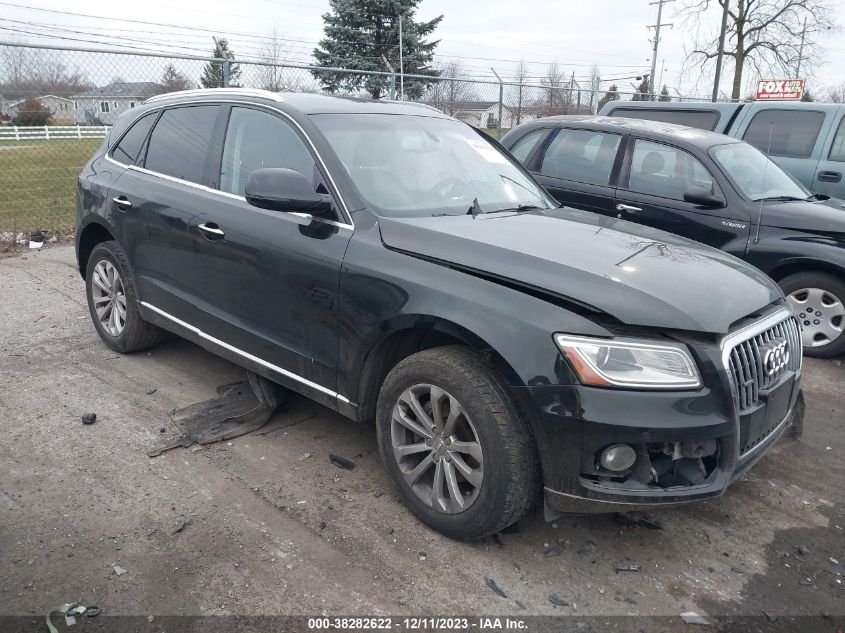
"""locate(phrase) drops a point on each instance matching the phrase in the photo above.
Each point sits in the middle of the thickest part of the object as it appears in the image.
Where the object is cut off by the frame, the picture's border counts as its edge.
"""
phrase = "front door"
(271, 278)
(651, 191)
(831, 169)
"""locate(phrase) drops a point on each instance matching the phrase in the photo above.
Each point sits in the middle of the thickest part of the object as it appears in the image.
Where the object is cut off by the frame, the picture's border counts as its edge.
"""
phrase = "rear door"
(651, 192)
(831, 167)
(579, 168)
(270, 279)
(160, 196)
(789, 134)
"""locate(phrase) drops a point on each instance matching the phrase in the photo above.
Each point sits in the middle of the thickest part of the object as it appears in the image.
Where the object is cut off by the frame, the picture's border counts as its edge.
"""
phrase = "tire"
(502, 478)
(823, 328)
(135, 334)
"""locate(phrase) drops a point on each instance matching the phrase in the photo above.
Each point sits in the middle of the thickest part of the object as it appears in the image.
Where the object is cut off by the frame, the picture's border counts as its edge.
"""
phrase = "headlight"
(629, 363)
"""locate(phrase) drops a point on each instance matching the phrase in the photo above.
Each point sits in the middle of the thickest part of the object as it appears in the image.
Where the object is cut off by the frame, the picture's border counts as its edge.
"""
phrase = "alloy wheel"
(821, 314)
(109, 297)
(437, 448)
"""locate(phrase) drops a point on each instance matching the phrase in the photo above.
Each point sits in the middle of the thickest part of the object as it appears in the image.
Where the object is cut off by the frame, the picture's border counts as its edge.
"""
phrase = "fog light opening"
(618, 457)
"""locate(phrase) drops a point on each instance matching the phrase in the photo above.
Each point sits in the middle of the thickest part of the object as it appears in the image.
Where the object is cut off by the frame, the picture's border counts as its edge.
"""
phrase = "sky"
(611, 34)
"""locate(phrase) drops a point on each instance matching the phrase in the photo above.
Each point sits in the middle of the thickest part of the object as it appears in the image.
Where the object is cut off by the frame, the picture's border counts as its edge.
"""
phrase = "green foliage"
(807, 96)
(664, 94)
(172, 80)
(612, 94)
(212, 75)
(359, 32)
(643, 91)
(32, 112)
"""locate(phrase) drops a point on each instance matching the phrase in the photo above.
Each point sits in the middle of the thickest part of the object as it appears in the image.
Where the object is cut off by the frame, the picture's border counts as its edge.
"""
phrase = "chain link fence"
(85, 90)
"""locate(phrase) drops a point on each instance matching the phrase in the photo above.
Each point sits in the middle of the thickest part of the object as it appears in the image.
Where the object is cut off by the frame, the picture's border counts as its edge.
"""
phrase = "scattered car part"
(89, 418)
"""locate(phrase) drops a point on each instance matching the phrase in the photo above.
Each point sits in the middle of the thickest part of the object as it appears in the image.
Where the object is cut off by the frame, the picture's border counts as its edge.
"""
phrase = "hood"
(640, 276)
(826, 217)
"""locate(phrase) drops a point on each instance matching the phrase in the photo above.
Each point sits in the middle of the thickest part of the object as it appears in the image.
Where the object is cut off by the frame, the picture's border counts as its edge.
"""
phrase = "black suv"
(396, 265)
(706, 186)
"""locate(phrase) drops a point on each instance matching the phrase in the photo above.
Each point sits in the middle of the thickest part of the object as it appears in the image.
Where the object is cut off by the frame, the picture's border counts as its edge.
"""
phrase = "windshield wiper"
(778, 198)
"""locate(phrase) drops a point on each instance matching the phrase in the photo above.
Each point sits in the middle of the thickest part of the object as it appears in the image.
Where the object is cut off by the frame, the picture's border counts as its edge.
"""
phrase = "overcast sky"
(578, 33)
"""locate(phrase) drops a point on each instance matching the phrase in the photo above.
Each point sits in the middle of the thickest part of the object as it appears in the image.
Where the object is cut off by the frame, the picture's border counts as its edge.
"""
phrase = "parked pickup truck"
(805, 139)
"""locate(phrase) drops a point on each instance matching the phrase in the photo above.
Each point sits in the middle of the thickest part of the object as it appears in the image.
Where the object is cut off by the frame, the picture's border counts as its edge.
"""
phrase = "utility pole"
(801, 49)
(725, 11)
(656, 28)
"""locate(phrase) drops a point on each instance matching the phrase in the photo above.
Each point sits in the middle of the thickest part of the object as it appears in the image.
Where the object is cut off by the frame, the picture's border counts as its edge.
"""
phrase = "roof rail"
(244, 92)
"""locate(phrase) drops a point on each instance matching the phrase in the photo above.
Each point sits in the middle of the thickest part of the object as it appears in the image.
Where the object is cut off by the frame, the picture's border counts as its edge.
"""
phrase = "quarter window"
(256, 140)
(790, 133)
(837, 149)
(581, 155)
(665, 171)
(524, 146)
(180, 140)
(126, 151)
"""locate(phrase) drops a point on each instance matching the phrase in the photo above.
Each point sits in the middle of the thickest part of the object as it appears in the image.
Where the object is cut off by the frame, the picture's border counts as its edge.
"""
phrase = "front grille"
(760, 361)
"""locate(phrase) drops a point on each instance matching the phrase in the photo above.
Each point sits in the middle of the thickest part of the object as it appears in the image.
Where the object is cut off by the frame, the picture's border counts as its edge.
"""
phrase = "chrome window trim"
(216, 101)
(247, 355)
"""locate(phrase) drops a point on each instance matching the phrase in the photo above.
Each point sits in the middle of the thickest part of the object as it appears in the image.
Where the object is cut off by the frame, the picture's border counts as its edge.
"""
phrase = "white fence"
(49, 132)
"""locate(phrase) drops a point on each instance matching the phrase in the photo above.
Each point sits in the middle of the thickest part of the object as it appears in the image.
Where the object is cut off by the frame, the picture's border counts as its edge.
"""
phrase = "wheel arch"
(93, 233)
(805, 265)
(406, 336)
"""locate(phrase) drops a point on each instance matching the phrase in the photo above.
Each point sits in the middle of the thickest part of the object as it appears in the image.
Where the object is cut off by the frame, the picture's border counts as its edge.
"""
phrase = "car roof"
(305, 103)
(680, 133)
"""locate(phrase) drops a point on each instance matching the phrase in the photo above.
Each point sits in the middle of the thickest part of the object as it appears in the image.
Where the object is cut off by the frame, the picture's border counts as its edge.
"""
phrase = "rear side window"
(790, 133)
(126, 151)
(581, 155)
(179, 142)
(524, 146)
(702, 119)
(837, 150)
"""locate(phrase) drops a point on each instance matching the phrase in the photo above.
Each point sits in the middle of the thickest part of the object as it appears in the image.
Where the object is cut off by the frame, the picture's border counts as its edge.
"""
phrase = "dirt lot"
(273, 528)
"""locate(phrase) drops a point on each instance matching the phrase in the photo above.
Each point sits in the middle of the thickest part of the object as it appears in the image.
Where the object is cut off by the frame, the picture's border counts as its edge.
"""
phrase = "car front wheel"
(817, 300)
(455, 443)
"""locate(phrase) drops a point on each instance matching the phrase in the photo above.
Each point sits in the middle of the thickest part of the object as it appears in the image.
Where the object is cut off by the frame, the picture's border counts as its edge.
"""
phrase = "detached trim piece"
(247, 355)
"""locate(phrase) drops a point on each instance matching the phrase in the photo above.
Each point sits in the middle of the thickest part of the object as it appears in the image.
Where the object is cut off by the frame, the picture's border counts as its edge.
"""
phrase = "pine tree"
(212, 75)
(173, 81)
(643, 91)
(612, 94)
(359, 32)
(664, 94)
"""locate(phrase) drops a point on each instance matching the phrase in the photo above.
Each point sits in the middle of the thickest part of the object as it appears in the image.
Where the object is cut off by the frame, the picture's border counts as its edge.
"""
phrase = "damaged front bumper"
(689, 445)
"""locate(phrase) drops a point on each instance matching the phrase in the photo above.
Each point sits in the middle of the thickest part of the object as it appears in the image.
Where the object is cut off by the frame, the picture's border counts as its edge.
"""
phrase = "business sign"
(780, 89)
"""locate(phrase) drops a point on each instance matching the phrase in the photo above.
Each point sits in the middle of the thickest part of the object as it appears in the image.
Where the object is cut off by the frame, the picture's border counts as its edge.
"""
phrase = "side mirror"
(703, 197)
(280, 189)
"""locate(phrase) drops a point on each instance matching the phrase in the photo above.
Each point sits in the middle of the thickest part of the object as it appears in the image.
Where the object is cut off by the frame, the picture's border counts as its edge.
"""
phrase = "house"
(102, 106)
(60, 108)
(485, 114)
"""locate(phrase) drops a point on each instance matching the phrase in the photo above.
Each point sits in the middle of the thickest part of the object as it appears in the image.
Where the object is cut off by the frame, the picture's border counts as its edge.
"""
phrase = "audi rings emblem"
(776, 356)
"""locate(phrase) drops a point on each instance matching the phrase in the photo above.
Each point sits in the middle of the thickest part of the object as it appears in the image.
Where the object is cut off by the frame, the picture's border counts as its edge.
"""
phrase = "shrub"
(32, 112)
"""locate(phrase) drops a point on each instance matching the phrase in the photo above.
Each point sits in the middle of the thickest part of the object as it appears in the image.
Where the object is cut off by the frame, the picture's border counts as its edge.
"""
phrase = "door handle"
(830, 176)
(122, 203)
(627, 207)
(211, 230)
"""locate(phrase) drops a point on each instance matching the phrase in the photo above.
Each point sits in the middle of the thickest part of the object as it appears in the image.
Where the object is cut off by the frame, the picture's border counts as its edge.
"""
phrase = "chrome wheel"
(437, 448)
(821, 314)
(109, 297)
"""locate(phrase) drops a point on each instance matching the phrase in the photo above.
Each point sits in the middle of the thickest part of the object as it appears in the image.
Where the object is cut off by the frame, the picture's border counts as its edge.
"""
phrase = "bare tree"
(452, 89)
(836, 94)
(595, 78)
(520, 74)
(553, 82)
(33, 72)
(271, 73)
(765, 35)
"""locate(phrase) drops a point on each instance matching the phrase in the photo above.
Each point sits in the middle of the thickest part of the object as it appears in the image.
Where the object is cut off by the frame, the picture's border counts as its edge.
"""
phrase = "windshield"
(415, 165)
(755, 174)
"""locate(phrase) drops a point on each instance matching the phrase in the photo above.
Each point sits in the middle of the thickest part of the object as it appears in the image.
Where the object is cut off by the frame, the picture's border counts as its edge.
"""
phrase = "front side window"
(408, 165)
(790, 133)
(665, 171)
(755, 174)
(257, 140)
(837, 149)
(581, 155)
(180, 140)
(126, 151)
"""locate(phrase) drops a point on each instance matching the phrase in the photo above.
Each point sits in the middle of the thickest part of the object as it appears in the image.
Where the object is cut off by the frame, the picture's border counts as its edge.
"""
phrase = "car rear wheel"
(456, 444)
(113, 304)
(818, 300)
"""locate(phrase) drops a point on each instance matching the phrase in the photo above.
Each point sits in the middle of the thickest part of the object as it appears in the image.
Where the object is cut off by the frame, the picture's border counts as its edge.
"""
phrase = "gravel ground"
(274, 528)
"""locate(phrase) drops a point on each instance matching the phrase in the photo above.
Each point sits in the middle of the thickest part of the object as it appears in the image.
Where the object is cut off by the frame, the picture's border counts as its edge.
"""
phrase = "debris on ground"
(150, 392)
(631, 600)
(551, 551)
(496, 588)
(587, 547)
(802, 549)
(70, 611)
(557, 600)
(628, 518)
(118, 570)
(520, 605)
(691, 617)
(240, 408)
(36, 239)
(341, 462)
(631, 567)
(89, 418)
(181, 525)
